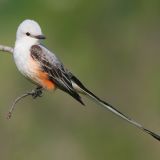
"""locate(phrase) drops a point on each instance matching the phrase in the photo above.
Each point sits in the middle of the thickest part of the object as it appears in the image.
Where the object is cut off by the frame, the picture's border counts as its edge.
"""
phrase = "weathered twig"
(6, 49)
(34, 93)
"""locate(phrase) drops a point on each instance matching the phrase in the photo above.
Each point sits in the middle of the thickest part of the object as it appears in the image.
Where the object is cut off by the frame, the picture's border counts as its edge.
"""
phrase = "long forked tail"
(82, 89)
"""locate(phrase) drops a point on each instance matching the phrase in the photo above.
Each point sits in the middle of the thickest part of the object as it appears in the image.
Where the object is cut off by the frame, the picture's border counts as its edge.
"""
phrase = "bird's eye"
(28, 34)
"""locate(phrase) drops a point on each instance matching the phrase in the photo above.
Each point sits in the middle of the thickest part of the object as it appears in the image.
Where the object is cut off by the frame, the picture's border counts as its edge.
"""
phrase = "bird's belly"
(31, 69)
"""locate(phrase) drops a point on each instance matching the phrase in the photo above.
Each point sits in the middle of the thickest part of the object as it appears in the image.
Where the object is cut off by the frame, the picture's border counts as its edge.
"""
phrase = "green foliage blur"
(113, 46)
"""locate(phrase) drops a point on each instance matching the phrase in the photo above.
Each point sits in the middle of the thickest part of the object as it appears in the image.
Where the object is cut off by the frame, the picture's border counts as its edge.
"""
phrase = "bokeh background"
(113, 46)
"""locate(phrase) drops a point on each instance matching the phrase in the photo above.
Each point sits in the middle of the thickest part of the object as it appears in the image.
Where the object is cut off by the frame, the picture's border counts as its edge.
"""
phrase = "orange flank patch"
(38, 76)
(45, 82)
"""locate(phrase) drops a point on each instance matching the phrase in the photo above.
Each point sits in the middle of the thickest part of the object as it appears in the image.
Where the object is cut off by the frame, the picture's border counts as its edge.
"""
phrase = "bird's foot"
(37, 92)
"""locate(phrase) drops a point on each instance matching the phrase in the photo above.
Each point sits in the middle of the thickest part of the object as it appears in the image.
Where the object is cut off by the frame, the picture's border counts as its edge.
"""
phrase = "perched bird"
(44, 69)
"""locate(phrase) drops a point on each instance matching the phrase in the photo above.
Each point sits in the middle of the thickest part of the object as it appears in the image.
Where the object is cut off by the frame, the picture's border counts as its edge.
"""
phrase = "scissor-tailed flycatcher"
(43, 68)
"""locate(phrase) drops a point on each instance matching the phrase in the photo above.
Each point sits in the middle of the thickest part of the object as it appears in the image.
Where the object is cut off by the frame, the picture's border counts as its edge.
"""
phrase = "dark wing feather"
(55, 69)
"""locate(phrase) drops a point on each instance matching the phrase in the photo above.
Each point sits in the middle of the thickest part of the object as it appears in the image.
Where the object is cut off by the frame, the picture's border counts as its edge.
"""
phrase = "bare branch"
(34, 93)
(6, 49)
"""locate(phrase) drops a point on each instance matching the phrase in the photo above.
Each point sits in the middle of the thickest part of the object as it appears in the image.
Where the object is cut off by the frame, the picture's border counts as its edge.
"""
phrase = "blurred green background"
(113, 46)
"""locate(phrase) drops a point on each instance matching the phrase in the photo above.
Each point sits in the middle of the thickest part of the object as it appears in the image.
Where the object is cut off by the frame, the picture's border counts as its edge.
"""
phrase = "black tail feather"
(112, 109)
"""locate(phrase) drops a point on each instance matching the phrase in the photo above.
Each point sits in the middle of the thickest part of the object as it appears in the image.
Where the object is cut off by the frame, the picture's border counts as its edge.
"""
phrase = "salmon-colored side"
(45, 82)
(38, 76)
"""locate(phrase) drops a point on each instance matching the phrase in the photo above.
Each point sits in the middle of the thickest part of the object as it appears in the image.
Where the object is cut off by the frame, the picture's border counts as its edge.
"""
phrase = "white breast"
(23, 59)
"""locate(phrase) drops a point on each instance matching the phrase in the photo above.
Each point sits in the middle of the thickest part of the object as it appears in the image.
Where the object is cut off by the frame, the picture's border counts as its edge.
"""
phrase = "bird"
(43, 68)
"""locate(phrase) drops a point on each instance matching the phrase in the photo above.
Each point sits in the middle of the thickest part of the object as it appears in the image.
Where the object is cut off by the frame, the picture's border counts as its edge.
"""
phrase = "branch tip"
(6, 49)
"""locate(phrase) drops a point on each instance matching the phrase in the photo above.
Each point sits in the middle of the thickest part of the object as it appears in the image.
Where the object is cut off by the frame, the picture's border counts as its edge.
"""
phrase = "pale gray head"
(29, 30)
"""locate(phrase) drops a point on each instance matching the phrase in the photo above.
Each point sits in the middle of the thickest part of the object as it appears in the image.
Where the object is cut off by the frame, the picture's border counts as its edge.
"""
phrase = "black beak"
(40, 37)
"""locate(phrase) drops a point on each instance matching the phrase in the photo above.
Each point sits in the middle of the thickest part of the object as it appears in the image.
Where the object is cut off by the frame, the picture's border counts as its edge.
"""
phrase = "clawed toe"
(37, 93)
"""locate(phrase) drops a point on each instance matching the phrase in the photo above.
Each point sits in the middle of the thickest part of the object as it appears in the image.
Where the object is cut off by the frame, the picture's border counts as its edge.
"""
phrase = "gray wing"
(55, 69)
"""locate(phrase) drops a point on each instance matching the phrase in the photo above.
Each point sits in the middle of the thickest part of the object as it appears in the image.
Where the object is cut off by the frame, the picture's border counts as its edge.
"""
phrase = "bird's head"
(29, 30)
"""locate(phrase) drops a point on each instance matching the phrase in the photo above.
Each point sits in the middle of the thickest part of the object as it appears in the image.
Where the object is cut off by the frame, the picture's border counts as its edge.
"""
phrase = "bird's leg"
(34, 93)
(37, 92)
